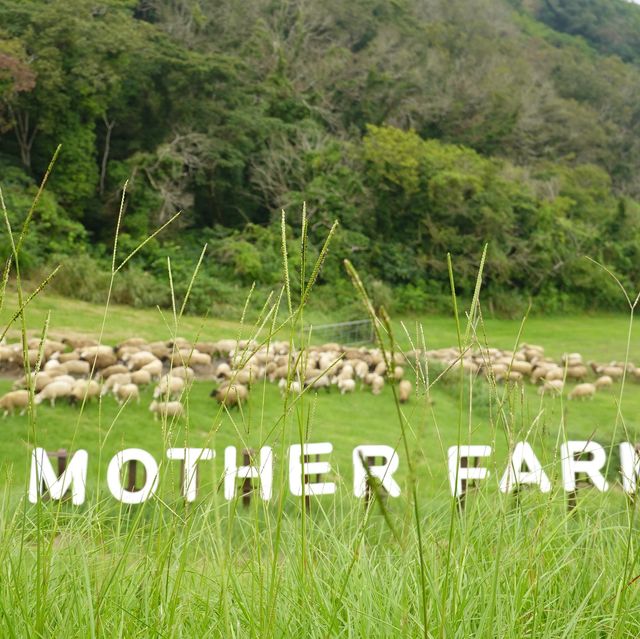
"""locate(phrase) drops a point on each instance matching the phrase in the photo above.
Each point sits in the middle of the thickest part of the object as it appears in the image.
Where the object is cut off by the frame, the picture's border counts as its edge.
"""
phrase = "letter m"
(43, 477)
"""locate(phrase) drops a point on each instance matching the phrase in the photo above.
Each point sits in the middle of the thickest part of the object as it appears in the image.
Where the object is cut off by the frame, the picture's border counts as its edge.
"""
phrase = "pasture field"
(405, 567)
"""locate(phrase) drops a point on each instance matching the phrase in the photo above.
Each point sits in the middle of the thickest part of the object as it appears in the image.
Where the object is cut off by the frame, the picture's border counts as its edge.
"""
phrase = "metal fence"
(348, 333)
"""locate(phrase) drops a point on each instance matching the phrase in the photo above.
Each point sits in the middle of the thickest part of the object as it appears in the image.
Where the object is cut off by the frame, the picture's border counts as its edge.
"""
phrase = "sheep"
(141, 378)
(165, 409)
(133, 341)
(183, 371)
(7, 354)
(361, 369)
(231, 394)
(126, 392)
(318, 381)
(603, 381)
(78, 342)
(114, 369)
(14, 399)
(377, 384)
(193, 358)
(154, 368)
(169, 386)
(63, 358)
(77, 367)
(53, 391)
(51, 364)
(39, 381)
(118, 378)
(67, 379)
(555, 386)
(159, 349)
(346, 386)
(398, 373)
(577, 372)
(294, 388)
(88, 388)
(223, 371)
(380, 369)
(404, 391)
(582, 391)
(99, 357)
(137, 360)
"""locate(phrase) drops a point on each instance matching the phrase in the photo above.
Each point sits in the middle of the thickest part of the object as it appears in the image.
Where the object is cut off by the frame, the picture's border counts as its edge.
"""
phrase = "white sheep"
(137, 360)
(53, 391)
(82, 388)
(14, 399)
(165, 409)
(117, 378)
(294, 387)
(603, 381)
(169, 386)
(404, 391)
(126, 392)
(582, 391)
(555, 386)
(346, 386)
(231, 394)
(154, 368)
(141, 377)
(377, 384)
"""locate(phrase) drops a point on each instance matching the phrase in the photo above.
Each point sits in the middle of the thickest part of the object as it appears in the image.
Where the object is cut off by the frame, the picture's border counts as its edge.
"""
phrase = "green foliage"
(424, 129)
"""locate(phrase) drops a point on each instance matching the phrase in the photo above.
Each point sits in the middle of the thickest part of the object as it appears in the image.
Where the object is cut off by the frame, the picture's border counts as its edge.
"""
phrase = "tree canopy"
(423, 126)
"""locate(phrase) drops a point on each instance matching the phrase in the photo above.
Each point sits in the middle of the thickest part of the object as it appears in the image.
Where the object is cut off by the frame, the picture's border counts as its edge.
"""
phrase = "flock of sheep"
(80, 370)
(529, 362)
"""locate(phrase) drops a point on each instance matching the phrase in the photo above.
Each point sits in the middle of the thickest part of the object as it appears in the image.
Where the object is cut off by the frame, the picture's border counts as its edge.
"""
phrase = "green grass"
(406, 567)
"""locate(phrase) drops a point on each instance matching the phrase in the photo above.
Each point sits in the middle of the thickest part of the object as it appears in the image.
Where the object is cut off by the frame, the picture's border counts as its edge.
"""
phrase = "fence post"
(61, 456)
(305, 460)
(368, 493)
(247, 486)
(464, 463)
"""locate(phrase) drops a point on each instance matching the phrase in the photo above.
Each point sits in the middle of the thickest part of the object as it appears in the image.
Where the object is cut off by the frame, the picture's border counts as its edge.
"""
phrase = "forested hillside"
(423, 126)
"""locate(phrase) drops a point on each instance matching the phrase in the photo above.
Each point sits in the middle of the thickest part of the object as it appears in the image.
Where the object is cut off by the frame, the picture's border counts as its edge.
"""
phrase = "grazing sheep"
(154, 368)
(346, 386)
(88, 388)
(114, 369)
(7, 354)
(118, 378)
(77, 367)
(223, 371)
(165, 409)
(137, 360)
(578, 372)
(231, 394)
(555, 386)
(125, 392)
(133, 341)
(141, 377)
(183, 371)
(53, 391)
(582, 391)
(405, 388)
(398, 373)
(294, 387)
(318, 381)
(169, 386)
(603, 381)
(377, 384)
(39, 381)
(14, 399)
(361, 369)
